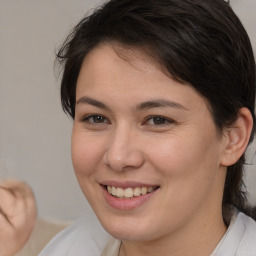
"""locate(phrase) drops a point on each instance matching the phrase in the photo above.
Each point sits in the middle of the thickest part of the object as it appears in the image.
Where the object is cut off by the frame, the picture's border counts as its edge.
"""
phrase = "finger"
(17, 202)
(5, 226)
(18, 188)
(21, 191)
(25, 194)
(7, 201)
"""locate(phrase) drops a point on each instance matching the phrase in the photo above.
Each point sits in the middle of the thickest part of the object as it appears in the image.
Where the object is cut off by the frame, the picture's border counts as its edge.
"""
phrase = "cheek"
(185, 155)
(189, 167)
(86, 153)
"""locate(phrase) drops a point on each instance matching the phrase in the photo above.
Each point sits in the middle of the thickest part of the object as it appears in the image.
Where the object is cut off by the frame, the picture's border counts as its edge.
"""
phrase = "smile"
(129, 193)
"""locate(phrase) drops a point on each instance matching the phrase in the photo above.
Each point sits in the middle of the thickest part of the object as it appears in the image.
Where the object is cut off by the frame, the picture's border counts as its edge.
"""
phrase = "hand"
(17, 216)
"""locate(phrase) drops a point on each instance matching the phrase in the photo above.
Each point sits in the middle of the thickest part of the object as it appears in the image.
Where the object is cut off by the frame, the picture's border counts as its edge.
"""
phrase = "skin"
(17, 216)
(117, 137)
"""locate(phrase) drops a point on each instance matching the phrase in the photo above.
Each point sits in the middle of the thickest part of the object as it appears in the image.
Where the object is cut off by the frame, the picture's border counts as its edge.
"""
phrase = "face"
(145, 148)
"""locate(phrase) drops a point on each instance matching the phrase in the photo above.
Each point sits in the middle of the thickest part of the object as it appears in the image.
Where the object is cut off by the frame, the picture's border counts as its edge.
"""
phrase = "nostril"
(125, 160)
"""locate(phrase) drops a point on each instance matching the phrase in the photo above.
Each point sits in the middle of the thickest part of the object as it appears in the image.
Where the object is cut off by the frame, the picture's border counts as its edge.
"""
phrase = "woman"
(162, 95)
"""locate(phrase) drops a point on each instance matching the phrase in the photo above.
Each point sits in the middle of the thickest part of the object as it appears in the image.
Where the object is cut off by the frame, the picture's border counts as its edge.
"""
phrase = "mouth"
(129, 192)
(128, 195)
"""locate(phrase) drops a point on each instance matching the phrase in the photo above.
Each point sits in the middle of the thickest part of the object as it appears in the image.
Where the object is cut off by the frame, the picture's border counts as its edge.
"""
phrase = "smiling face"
(145, 148)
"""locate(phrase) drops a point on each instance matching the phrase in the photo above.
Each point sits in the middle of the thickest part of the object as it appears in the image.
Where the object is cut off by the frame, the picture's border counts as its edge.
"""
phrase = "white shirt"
(85, 237)
(240, 238)
(88, 238)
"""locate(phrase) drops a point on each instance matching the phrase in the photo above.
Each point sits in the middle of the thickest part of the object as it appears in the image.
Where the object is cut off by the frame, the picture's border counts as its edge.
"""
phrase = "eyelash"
(88, 117)
(166, 121)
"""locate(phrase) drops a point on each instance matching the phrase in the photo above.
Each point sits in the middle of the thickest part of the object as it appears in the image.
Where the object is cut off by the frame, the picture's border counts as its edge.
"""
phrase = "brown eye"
(98, 119)
(95, 119)
(158, 120)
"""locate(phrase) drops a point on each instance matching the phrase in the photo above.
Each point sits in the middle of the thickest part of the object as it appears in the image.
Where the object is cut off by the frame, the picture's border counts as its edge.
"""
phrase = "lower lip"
(126, 204)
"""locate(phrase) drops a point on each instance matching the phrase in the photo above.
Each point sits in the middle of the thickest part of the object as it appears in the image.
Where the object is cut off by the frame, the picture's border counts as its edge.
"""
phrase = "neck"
(193, 240)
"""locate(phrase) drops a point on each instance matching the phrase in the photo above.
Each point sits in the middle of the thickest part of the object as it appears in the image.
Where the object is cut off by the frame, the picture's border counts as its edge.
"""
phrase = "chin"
(128, 230)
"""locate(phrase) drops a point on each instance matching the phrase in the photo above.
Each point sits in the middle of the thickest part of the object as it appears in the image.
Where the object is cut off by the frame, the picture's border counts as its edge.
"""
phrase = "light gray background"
(34, 132)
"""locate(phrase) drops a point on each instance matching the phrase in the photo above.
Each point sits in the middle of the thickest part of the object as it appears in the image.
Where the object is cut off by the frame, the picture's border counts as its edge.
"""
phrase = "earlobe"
(238, 136)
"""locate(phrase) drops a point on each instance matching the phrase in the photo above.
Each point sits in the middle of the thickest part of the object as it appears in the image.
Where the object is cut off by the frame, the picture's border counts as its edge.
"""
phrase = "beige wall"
(34, 133)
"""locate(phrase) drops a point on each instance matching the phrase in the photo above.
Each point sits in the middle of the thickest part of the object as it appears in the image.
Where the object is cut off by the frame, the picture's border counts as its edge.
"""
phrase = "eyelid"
(168, 120)
(88, 116)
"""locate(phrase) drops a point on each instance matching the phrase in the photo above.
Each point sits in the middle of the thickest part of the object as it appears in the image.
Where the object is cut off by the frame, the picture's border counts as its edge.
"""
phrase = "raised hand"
(17, 216)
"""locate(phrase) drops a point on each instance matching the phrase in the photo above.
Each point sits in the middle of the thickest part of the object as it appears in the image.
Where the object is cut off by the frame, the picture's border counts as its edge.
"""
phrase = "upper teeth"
(129, 192)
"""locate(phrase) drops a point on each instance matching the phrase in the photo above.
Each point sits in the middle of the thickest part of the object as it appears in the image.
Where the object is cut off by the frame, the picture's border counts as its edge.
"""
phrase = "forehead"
(139, 58)
(115, 66)
(127, 68)
(107, 59)
(124, 81)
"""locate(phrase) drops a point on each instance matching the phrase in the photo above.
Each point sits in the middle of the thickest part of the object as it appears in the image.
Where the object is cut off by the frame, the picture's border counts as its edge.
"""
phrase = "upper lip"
(127, 184)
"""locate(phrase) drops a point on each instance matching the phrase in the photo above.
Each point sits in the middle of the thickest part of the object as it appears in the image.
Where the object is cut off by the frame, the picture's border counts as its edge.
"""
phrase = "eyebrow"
(93, 102)
(154, 103)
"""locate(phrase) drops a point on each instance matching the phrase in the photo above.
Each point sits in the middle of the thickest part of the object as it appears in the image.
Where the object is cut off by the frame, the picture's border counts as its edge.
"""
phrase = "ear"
(237, 138)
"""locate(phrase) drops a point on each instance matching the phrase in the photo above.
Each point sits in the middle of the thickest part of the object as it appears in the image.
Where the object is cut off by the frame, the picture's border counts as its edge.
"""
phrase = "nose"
(123, 150)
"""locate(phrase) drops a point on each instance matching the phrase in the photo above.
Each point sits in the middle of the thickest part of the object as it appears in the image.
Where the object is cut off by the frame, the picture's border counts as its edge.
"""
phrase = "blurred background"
(34, 132)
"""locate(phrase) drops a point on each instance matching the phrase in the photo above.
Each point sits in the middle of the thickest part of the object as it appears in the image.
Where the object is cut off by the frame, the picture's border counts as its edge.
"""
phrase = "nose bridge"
(122, 150)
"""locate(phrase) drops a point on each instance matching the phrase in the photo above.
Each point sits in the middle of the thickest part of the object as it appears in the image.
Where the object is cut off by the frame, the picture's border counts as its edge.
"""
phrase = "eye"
(158, 121)
(95, 119)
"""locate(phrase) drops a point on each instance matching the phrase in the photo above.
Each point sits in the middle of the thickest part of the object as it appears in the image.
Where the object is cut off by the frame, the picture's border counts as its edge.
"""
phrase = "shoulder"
(240, 239)
(247, 244)
(85, 237)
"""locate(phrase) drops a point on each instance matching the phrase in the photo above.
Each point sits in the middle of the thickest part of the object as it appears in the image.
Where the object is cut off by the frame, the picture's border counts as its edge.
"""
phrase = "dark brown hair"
(199, 42)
